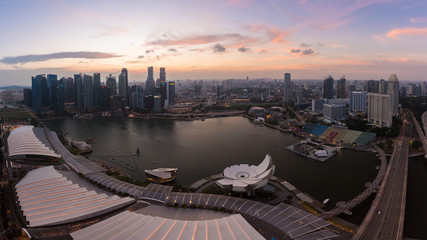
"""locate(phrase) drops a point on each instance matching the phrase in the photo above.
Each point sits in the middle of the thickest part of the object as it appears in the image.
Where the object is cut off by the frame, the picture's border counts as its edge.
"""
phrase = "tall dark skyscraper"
(328, 88)
(96, 89)
(28, 97)
(171, 93)
(112, 85)
(78, 82)
(162, 74)
(44, 91)
(150, 85)
(372, 86)
(287, 96)
(60, 96)
(68, 89)
(36, 91)
(341, 88)
(123, 83)
(87, 92)
(52, 84)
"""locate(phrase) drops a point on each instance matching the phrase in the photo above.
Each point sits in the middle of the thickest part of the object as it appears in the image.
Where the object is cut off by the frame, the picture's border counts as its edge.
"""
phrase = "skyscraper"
(44, 91)
(288, 88)
(139, 97)
(52, 85)
(87, 92)
(380, 109)
(357, 101)
(372, 86)
(150, 85)
(60, 96)
(36, 91)
(393, 90)
(112, 85)
(341, 88)
(162, 74)
(28, 97)
(78, 90)
(123, 83)
(171, 93)
(328, 88)
(69, 95)
(96, 89)
(382, 86)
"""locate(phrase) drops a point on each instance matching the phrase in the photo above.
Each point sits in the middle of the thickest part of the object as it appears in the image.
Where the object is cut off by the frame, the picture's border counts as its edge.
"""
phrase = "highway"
(420, 131)
(386, 217)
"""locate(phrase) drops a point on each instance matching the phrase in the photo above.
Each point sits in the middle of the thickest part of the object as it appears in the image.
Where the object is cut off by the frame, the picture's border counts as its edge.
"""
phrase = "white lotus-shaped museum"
(245, 178)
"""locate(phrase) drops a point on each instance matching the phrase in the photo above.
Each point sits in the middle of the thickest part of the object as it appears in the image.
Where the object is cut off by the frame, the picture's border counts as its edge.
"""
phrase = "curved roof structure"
(243, 178)
(29, 140)
(131, 225)
(48, 198)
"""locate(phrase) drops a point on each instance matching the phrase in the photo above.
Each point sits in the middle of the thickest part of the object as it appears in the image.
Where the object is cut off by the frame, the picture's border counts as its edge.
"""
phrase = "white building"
(358, 101)
(380, 109)
(333, 112)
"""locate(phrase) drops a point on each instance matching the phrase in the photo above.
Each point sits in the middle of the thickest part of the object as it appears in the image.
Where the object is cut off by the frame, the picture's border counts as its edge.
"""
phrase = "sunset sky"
(362, 39)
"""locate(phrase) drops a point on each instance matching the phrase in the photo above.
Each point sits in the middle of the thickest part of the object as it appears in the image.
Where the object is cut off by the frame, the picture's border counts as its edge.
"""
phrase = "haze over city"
(364, 39)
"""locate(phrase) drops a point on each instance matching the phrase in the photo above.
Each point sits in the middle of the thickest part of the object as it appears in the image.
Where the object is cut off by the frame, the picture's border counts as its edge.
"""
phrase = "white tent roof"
(28, 140)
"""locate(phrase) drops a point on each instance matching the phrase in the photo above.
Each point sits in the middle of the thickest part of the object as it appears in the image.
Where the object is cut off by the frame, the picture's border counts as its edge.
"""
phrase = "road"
(420, 131)
(386, 216)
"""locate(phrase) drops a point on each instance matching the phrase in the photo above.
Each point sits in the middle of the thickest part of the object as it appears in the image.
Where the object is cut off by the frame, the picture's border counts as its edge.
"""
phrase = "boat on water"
(161, 175)
(326, 201)
(259, 120)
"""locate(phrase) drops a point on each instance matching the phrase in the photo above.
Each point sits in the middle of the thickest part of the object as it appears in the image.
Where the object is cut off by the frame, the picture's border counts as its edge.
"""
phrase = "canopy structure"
(29, 142)
(48, 198)
(245, 178)
(131, 225)
(161, 175)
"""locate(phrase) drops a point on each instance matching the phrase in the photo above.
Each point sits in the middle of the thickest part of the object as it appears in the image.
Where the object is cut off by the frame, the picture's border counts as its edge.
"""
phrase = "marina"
(317, 151)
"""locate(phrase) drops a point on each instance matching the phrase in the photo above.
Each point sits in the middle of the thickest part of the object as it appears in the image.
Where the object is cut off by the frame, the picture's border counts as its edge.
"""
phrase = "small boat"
(326, 201)
(259, 120)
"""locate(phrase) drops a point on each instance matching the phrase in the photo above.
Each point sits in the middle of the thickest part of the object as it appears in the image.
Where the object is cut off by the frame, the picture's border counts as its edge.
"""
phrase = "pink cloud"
(418, 20)
(275, 35)
(396, 33)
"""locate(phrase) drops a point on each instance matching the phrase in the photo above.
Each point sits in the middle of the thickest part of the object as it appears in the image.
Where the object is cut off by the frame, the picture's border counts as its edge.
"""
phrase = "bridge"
(420, 131)
(386, 217)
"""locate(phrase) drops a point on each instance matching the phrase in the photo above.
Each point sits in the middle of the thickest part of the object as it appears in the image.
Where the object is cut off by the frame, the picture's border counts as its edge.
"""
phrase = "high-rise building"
(287, 95)
(139, 97)
(341, 88)
(150, 85)
(162, 74)
(171, 93)
(52, 85)
(372, 86)
(333, 112)
(112, 85)
(44, 91)
(358, 101)
(157, 103)
(380, 109)
(328, 88)
(393, 90)
(383, 86)
(78, 82)
(87, 92)
(317, 105)
(36, 91)
(60, 97)
(123, 83)
(403, 92)
(96, 89)
(28, 97)
(416, 90)
(69, 95)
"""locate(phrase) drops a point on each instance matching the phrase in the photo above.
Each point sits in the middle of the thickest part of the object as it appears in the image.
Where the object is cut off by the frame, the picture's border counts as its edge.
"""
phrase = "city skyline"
(364, 39)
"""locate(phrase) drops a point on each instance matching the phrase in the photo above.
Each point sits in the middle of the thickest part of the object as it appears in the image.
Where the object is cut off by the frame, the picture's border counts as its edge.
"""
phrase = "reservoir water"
(203, 148)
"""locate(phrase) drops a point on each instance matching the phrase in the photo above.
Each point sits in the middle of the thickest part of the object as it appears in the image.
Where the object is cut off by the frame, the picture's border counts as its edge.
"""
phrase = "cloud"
(111, 31)
(396, 33)
(44, 57)
(275, 35)
(295, 50)
(418, 20)
(240, 2)
(219, 48)
(140, 56)
(196, 40)
(172, 50)
(149, 51)
(305, 45)
(307, 51)
(243, 49)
